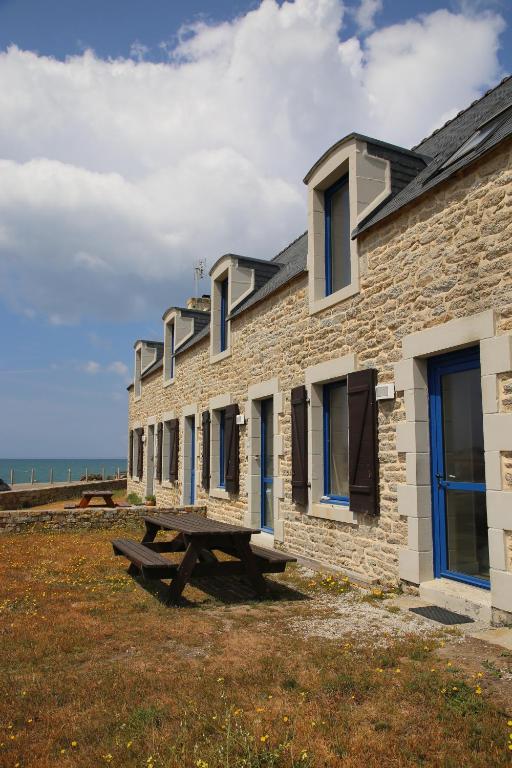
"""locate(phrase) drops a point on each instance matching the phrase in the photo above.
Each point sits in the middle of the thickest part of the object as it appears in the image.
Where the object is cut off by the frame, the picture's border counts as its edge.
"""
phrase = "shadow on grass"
(229, 590)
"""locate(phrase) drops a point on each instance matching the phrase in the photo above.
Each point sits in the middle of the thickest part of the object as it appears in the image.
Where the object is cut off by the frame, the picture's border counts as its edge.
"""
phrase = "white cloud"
(117, 175)
(91, 367)
(365, 14)
(118, 367)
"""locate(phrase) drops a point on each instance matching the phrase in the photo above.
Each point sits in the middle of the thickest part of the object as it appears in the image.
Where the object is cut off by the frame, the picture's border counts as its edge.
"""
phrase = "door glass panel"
(269, 439)
(466, 533)
(338, 413)
(340, 238)
(268, 506)
(463, 427)
(267, 467)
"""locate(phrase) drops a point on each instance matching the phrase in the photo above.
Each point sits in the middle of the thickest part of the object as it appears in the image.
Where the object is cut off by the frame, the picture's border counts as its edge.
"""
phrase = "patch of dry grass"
(95, 671)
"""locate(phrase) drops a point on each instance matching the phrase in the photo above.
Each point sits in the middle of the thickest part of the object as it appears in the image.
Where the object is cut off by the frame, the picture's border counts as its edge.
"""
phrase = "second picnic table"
(198, 537)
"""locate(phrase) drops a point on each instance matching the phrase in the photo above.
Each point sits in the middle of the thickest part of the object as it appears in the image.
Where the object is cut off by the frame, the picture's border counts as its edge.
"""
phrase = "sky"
(137, 137)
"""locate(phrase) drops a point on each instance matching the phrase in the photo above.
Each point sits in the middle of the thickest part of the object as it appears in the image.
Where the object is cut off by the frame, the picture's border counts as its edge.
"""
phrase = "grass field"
(97, 671)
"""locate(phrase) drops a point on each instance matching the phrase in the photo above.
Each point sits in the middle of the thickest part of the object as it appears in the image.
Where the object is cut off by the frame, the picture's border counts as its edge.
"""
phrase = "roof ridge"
(288, 246)
(490, 90)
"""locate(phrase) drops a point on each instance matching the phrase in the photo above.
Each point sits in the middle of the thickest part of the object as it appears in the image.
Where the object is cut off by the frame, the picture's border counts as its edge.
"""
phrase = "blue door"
(267, 466)
(459, 515)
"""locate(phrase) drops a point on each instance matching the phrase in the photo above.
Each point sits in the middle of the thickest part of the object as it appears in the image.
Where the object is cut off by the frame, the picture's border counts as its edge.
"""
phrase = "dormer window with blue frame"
(223, 315)
(171, 350)
(335, 439)
(222, 450)
(337, 237)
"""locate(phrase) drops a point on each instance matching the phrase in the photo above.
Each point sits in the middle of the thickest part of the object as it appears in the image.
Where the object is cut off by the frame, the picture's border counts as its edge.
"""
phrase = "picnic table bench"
(88, 496)
(198, 537)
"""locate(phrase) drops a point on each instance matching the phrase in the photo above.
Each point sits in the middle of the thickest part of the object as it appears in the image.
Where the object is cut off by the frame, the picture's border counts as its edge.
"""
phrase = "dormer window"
(147, 353)
(223, 319)
(138, 369)
(337, 237)
(169, 361)
(344, 186)
(180, 325)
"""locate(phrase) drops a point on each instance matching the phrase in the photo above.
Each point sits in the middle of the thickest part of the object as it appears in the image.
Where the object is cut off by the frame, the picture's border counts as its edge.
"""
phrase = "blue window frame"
(337, 237)
(335, 443)
(459, 517)
(171, 351)
(223, 315)
(222, 449)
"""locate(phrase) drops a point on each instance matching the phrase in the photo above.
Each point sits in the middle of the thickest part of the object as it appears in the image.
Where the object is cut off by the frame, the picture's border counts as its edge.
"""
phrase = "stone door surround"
(414, 497)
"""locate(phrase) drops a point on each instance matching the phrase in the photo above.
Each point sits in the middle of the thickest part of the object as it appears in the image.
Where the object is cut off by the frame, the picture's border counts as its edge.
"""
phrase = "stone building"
(352, 395)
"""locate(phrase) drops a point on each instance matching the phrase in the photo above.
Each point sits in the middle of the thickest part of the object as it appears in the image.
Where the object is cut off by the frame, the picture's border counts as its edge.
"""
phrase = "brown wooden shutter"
(174, 443)
(130, 455)
(205, 420)
(300, 445)
(232, 443)
(159, 435)
(363, 442)
(140, 455)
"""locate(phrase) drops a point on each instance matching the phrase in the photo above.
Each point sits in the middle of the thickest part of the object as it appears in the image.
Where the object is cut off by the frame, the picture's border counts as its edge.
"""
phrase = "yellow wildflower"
(128, 744)
(285, 719)
(74, 743)
(264, 738)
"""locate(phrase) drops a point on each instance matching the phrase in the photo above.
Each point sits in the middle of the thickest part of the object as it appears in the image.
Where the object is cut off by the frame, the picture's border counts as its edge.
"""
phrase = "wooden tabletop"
(195, 525)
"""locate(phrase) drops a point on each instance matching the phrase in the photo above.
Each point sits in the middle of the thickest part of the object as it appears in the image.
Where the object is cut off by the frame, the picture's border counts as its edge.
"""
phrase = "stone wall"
(446, 257)
(34, 496)
(17, 521)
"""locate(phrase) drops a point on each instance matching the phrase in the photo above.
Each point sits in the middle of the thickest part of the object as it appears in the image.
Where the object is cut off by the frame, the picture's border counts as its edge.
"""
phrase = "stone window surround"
(255, 393)
(183, 331)
(138, 425)
(143, 360)
(413, 439)
(150, 423)
(188, 410)
(369, 179)
(216, 405)
(241, 283)
(315, 378)
(166, 418)
(137, 384)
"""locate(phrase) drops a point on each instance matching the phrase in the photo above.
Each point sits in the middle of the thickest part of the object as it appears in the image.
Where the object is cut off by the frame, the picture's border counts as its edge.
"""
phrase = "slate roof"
(443, 142)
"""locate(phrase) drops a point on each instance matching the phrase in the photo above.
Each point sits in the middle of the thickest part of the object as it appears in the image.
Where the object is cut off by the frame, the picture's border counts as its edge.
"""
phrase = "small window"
(336, 443)
(223, 315)
(222, 450)
(337, 237)
(477, 138)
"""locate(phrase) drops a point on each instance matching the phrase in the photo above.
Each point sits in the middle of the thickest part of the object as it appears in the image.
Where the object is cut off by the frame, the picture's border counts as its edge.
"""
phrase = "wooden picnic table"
(199, 537)
(88, 496)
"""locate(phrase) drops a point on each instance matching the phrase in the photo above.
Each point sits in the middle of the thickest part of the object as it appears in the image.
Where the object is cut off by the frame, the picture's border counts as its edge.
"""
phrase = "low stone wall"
(17, 521)
(46, 494)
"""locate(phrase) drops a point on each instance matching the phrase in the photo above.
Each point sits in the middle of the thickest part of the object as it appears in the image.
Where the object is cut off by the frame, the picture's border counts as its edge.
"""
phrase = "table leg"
(151, 532)
(246, 555)
(109, 501)
(84, 502)
(184, 572)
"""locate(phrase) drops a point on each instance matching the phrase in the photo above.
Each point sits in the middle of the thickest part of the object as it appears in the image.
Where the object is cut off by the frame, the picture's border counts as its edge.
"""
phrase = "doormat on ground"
(442, 615)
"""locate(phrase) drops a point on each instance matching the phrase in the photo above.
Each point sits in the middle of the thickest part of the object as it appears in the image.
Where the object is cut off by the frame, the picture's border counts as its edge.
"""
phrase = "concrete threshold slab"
(460, 598)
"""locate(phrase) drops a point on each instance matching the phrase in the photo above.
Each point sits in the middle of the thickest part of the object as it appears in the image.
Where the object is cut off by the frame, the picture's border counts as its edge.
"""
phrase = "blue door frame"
(192, 426)
(267, 480)
(454, 362)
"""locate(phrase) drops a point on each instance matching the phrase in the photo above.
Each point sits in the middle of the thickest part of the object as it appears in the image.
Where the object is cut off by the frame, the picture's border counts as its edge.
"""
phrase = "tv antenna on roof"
(199, 272)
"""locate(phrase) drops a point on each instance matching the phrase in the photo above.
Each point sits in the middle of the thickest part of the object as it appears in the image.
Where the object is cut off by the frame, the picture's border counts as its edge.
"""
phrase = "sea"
(63, 469)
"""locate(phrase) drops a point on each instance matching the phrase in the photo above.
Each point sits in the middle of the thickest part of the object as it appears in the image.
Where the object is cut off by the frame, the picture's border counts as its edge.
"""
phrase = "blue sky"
(138, 137)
